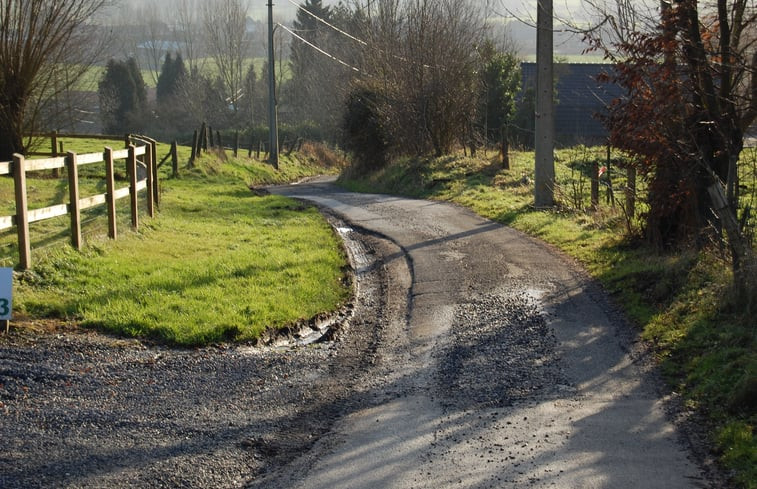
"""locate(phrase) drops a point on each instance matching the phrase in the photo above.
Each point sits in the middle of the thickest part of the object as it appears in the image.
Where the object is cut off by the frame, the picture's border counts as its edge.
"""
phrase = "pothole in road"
(500, 351)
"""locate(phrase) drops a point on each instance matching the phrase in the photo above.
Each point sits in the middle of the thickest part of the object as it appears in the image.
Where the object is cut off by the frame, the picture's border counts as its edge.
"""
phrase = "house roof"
(580, 97)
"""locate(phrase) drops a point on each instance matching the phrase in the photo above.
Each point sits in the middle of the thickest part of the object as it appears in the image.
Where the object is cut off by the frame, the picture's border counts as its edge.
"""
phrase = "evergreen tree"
(260, 101)
(306, 64)
(122, 96)
(248, 101)
(171, 76)
(500, 80)
(310, 29)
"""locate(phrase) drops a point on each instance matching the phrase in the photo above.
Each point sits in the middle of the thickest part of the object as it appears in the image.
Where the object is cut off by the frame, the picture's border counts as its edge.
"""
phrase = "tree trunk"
(9, 145)
(11, 140)
(743, 260)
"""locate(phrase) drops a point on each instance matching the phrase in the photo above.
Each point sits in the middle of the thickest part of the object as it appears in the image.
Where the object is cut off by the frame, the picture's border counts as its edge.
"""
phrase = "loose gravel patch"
(500, 351)
(80, 409)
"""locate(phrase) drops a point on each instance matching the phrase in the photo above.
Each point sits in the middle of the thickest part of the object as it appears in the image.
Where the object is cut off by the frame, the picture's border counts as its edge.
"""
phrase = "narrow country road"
(471, 357)
(501, 365)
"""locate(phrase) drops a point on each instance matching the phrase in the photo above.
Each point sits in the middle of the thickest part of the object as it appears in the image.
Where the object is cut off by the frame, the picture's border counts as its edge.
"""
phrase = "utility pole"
(273, 131)
(544, 170)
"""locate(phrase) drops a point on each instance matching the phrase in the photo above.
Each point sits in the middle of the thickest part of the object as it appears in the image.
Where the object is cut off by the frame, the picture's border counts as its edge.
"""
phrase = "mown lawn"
(218, 263)
(681, 302)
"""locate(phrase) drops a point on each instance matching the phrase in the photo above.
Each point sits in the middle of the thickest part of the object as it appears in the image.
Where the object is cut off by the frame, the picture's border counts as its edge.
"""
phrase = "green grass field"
(218, 263)
(89, 81)
(707, 346)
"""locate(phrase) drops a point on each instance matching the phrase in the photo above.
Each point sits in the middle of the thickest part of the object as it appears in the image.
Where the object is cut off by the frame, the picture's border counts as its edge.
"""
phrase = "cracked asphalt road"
(476, 358)
(508, 369)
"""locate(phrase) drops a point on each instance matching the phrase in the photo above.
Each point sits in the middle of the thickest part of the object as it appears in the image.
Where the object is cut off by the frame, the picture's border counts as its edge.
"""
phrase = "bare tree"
(421, 56)
(616, 21)
(225, 24)
(154, 39)
(39, 39)
(189, 34)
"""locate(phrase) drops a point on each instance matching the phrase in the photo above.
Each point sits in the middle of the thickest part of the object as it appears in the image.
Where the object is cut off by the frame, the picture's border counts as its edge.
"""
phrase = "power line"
(340, 31)
(326, 23)
(360, 41)
(297, 36)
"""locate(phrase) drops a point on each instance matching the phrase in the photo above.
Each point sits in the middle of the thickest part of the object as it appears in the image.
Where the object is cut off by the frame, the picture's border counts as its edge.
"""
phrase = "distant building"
(580, 97)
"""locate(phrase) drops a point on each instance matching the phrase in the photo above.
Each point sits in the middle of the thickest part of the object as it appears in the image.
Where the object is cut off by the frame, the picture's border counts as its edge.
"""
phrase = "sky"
(521, 13)
(520, 8)
(518, 15)
(515, 9)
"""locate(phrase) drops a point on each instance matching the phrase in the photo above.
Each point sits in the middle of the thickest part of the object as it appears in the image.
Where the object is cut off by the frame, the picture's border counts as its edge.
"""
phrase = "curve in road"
(504, 367)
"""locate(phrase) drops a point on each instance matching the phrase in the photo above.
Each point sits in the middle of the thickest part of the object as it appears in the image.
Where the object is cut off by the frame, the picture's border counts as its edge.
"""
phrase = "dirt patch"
(83, 409)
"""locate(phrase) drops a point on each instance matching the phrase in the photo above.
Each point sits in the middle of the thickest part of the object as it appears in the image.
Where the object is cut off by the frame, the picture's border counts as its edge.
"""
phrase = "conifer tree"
(171, 76)
(305, 61)
(122, 96)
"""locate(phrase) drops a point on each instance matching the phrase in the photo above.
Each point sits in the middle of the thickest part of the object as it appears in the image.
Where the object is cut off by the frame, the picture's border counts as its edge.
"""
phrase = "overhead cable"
(297, 36)
(326, 23)
(360, 41)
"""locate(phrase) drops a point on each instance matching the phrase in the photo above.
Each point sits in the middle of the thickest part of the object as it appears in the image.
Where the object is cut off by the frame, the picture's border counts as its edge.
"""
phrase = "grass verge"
(706, 346)
(218, 263)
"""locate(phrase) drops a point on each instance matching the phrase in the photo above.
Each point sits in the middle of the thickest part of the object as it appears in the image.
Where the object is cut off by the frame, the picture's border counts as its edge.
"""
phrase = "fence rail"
(56, 143)
(20, 166)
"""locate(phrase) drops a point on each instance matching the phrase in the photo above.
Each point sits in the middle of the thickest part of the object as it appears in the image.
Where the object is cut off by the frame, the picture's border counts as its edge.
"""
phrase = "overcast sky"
(573, 10)
(523, 10)
(519, 8)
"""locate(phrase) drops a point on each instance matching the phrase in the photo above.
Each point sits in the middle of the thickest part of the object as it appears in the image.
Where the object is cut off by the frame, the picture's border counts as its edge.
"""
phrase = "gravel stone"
(79, 409)
(483, 383)
(500, 351)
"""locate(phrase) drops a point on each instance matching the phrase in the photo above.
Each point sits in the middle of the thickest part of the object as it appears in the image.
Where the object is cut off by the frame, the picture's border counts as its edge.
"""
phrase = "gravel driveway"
(472, 357)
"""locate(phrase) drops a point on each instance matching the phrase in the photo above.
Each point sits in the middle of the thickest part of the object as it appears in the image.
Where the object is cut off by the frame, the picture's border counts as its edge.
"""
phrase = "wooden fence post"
(175, 159)
(154, 169)
(610, 193)
(110, 184)
(73, 192)
(205, 138)
(54, 152)
(195, 149)
(150, 180)
(219, 143)
(22, 216)
(211, 143)
(505, 145)
(631, 191)
(595, 185)
(131, 163)
(236, 144)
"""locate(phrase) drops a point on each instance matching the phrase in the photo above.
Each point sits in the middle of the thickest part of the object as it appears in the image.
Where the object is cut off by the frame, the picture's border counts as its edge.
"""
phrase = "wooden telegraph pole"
(273, 136)
(544, 170)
